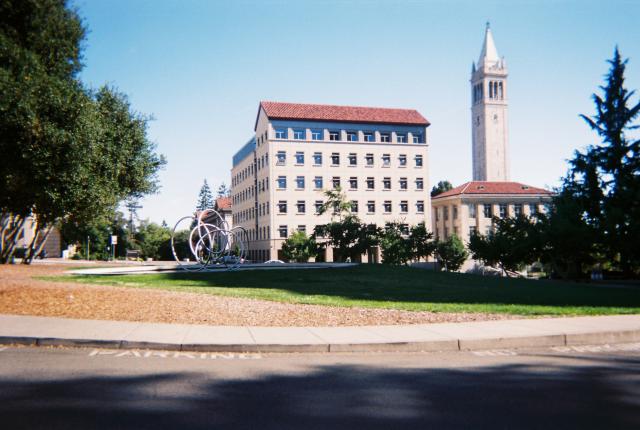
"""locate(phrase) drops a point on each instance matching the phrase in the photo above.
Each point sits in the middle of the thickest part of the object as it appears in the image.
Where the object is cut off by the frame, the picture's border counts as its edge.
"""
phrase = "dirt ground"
(20, 294)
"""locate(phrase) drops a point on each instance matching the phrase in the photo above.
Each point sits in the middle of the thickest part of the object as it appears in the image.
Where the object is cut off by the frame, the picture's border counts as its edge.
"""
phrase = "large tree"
(68, 153)
(605, 178)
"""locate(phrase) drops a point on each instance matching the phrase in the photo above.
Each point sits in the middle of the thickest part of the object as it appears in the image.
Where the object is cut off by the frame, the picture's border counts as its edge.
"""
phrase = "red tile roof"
(297, 111)
(223, 203)
(485, 187)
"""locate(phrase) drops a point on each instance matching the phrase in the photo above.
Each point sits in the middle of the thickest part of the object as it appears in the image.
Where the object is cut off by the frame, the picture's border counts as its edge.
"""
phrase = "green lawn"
(375, 286)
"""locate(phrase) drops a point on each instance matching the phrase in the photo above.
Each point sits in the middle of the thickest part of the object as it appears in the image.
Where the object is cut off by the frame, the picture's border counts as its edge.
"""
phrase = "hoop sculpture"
(210, 242)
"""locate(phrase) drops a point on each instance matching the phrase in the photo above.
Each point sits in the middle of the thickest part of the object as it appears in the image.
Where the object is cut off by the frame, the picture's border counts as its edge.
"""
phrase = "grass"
(376, 286)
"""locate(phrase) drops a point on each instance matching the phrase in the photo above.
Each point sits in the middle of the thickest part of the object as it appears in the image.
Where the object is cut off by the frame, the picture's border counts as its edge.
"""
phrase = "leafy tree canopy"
(440, 188)
(299, 247)
(452, 253)
(68, 153)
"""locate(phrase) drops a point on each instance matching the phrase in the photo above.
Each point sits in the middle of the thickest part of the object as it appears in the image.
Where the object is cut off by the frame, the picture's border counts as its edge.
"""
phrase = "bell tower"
(490, 138)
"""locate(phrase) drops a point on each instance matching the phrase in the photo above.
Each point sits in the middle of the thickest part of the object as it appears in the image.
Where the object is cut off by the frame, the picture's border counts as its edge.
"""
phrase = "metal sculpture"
(211, 242)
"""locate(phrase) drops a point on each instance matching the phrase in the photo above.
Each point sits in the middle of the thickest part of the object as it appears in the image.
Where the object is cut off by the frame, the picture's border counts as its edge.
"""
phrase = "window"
(352, 136)
(281, 133)
(282, 182)
(517, 209)
(370, 183)
(419, 184)
(368, 137)
(454, 211)
(385, 137)
(404, 207)
(503, 210)
(417, 138)
(386, 160)
(386, 183)
(334, 135)
(445, 213)
(317, 182)
(335, 181)
(354, 206)
(281, 158)
(353, 159)
(353, 183)
(472, 210)
(318, 206)
(283, 231)
(369, 159)
(402, 159)
(403, 183)
(317, 158)
(404, 228)
(437, 214)
(300, 182)
(446, 232)
(387, 206)
(298, 134)
(401, 138)
(316, 134)
(533, 208)
(473, 230)
(420, 206)
(302, 207)
(302, 228)
(299, 157)
(418, 160)
(371, 207)
(335, 159)
(282, 207)
(487, 211)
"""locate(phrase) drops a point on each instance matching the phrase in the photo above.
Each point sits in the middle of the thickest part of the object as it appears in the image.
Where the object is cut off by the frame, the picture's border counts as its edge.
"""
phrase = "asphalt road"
(587, 387)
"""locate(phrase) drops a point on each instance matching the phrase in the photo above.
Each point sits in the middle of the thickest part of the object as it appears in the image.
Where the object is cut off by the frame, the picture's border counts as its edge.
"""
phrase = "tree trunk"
(36, 248)
(11, 239)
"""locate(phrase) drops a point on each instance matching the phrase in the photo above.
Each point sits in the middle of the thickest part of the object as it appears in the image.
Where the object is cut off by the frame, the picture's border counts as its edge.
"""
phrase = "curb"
(621, 336)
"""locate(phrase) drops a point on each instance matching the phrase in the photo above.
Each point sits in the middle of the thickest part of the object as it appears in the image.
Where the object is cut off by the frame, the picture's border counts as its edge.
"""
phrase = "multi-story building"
(471, 206)
(377, 156)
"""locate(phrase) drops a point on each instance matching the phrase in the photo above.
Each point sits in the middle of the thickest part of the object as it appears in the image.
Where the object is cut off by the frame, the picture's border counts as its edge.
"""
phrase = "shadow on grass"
(410, 285)
(600, 395)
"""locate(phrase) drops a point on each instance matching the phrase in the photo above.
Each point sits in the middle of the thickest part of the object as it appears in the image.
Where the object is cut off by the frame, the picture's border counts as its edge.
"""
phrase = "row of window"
(352, 182)
(487, 210)
(495, 90)
(386, 206)
(352, 159)
(318, 134)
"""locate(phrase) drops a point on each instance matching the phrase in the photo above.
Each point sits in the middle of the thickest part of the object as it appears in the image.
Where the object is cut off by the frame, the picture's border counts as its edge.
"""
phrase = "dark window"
(371, 206)
(335, 181)
(302, 208)
(334, 135)
(353, 160)
(352, 136)
(403, 183)
(419, 184)
(354, 206)
(386, 160)
(298, 134)
(370, 183)
(387, 206)
(368, 137)
(282, 182)
(299, 157)
(353, 183)
(281, 133)
(317, 182)
(318, 205)
(300, 182)
(385, 137)
(420, 206)
(487, 210)
(317, 158)
(282, 206)
(283, 231)
(316, 134)
(335, 159)
(386, 183)
(404, 206)
(402, 159)
(281, 158)
(369, 159)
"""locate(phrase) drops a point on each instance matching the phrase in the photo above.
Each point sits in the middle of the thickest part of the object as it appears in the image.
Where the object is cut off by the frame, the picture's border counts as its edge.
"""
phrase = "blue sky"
(201, 67)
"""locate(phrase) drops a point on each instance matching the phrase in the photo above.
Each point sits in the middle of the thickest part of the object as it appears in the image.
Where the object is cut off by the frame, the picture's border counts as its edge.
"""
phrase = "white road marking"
(598, 348)
(117, 353)
(495, 353)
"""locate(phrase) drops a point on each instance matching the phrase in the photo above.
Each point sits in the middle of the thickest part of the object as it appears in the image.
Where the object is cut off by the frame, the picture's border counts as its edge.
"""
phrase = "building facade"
(490, 137)
(471, 207)
(377, 156)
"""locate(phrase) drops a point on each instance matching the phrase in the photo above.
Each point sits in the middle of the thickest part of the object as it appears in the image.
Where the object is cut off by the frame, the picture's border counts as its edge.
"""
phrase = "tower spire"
(489, 54)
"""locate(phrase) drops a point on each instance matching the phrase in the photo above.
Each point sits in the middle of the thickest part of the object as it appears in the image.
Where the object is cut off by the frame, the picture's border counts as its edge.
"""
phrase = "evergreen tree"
(223, 191)
(205, 198)
(605, 179)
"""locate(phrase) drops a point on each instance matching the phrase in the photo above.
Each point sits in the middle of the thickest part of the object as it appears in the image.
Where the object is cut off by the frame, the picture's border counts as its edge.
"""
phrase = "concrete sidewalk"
(43, 331)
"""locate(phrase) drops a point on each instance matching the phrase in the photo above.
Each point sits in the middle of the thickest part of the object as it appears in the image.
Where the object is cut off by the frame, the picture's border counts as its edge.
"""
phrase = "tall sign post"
(114, 242)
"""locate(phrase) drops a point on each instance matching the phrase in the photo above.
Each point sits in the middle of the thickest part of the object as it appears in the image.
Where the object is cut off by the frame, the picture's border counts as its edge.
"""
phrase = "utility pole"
(88, 241)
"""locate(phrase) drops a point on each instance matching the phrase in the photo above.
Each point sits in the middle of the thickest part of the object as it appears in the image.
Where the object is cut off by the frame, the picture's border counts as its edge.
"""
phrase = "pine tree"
(607, 175)
(223, 191)
(205, 198)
